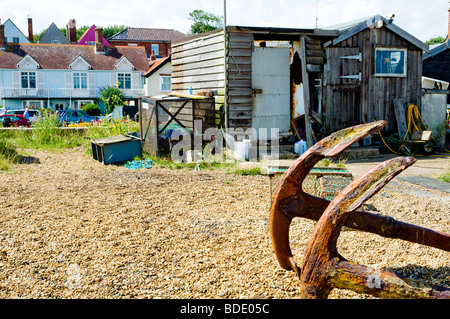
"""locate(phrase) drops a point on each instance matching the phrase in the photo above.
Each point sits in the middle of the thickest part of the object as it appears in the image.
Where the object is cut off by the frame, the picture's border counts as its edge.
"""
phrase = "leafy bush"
(46, 111)
(112, 96)
(91, 109)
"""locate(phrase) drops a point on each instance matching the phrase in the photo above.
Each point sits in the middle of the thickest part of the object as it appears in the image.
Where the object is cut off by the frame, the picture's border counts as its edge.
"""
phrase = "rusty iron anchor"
(324, 269)
(290, 201)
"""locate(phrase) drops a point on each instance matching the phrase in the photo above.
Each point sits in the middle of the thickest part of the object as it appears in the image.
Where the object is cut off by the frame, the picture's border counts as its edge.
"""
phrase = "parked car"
(34, 114)
(75, 116)
(15, 120)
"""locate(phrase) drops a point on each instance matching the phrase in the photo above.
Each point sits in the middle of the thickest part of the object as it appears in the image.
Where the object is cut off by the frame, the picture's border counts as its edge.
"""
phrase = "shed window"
(390, 62)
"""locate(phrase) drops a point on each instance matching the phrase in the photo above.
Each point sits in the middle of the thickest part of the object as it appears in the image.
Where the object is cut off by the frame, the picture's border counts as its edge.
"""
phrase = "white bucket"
(300, 147)
(241, 150)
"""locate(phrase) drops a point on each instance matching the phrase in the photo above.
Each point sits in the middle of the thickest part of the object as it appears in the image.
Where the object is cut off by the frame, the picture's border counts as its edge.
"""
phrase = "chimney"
(30, 30)
(448, 32)
(71, 31)
(99, 47)
(2, 37)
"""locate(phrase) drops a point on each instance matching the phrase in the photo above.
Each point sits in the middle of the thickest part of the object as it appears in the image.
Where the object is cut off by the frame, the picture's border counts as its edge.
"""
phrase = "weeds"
(445, 177)
(248, 171)
(8, 154)
(48, 133)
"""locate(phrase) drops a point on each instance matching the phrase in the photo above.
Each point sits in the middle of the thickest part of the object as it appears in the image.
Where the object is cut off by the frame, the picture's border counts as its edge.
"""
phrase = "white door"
(271, 90)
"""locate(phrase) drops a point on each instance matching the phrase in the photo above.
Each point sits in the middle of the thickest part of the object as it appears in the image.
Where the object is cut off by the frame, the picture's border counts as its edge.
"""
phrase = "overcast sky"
(423, 19)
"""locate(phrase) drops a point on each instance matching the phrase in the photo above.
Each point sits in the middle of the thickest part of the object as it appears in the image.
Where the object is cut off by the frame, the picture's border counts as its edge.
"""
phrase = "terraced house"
(67, 76)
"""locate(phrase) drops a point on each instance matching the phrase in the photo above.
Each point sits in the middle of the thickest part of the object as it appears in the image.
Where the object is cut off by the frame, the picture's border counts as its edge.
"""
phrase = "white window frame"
(123, 84)
(162, 84)
(155, 49)
(37, 104)
(379, 73)
(80, 103)
(28, 75)
(78, 77)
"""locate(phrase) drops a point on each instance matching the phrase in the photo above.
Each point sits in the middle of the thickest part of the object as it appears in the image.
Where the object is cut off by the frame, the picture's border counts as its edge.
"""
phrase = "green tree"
(112, 96)
(36, 37)
(81, 30)
(204, 21)
(112, 30)
(436, 40)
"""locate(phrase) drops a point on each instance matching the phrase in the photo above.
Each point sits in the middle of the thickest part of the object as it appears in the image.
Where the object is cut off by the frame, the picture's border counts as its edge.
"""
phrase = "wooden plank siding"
(377, 92)
(199, 64)
(239, 53)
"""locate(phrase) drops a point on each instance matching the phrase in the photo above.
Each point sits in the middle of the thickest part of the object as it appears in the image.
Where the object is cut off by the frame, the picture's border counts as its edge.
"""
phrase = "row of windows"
(15, 39)
(80, 81)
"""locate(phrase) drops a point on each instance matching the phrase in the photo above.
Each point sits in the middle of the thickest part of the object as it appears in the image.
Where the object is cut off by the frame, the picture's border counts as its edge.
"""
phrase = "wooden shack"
(436, 64)
(266, 78)
(369, 65)
(259, 85)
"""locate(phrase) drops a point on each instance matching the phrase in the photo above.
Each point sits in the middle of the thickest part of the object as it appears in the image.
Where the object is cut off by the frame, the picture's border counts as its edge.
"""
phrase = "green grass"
(248, 171)
(445, 177)
(47, 134)
(9, 154)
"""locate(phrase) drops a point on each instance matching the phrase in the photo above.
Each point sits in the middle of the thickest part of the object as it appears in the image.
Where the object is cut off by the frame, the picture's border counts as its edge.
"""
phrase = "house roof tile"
(156, 65)
(147, 34)
(59, 56)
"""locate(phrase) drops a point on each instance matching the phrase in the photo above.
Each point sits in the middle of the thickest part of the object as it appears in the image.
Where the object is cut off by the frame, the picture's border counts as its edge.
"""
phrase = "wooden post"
(306, 96)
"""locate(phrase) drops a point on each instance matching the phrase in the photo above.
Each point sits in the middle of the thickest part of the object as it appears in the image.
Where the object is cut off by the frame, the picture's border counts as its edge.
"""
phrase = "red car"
(15, 120)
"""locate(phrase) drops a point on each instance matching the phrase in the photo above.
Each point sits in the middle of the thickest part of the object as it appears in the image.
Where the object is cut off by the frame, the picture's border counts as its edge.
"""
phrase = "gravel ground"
(71, 227)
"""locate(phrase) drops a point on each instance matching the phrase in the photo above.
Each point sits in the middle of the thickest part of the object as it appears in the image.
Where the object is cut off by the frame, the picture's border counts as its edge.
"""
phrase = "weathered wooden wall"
(239, 89)
(198, 64)
(376, 94)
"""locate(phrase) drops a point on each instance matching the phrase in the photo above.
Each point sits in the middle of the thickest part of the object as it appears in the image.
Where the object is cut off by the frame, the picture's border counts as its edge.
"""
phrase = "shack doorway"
(343, 88)
(271, 92)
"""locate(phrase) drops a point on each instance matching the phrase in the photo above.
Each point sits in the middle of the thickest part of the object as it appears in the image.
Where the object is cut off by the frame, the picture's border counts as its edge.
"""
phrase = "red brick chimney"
(71, 31)
(448, 32)
(99, 47)
(2, 37)
(30, 30)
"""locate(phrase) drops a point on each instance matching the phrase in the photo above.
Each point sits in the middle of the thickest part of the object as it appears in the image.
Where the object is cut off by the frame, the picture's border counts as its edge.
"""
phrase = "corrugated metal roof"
(436, 49)
(147, 34)
(349, 29)
(60, 56)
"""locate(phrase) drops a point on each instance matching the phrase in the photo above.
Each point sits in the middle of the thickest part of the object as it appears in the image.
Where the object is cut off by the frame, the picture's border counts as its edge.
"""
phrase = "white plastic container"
(241, 150)
(300, 147)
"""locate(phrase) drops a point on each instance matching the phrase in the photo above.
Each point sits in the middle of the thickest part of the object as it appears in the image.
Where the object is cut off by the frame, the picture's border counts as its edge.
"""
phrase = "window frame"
(78, 83)
(391, 49)
(161, 82)
(125, 84)
(155, 51)
(26, 76)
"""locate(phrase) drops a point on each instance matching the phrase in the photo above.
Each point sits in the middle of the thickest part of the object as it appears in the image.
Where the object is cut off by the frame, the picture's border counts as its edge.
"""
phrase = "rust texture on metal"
(290, 201)
(324, 269)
